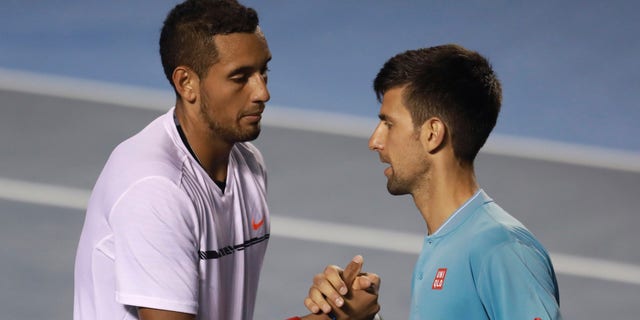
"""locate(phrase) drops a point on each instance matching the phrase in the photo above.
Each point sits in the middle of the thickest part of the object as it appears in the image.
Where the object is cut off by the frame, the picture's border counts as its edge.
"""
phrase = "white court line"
(402, 242)
(310, 120)
(44, 194)
(327, 232)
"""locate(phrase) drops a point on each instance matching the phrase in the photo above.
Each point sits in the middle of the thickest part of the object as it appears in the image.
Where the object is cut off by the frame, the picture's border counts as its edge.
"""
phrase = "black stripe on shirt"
(215, 254)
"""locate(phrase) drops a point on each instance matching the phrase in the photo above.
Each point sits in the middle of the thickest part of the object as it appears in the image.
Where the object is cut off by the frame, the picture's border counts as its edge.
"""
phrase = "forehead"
(393, 104)
(239, 49)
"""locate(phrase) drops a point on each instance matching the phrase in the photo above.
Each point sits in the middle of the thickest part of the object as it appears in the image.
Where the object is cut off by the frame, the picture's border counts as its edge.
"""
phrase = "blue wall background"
(570, 69)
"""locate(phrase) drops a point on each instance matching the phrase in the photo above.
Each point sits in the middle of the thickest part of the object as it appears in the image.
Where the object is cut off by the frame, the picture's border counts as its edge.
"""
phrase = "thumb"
(351, 271)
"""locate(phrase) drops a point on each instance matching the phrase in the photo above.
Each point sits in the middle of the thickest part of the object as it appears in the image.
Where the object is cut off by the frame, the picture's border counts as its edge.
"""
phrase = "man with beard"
(178, 224)
(439, 106)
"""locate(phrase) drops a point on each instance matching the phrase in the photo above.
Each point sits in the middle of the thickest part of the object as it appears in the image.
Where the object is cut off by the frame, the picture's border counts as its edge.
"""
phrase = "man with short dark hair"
(178, 224)
(439, 106)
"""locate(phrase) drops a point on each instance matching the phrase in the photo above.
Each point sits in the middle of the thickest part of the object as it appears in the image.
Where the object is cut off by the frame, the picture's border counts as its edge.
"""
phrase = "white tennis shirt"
(159, 233)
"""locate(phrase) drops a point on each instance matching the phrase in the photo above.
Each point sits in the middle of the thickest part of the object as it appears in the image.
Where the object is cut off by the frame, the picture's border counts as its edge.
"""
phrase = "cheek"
(222, 92)
(407, 152)
(220, 107)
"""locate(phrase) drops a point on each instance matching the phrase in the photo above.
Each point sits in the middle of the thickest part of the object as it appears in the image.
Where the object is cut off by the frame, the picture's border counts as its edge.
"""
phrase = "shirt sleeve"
(516, 281)
(156, 247)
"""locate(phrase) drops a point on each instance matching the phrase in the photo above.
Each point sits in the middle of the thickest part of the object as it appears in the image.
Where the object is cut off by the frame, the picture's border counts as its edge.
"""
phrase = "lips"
(388, 170)
(253, 117)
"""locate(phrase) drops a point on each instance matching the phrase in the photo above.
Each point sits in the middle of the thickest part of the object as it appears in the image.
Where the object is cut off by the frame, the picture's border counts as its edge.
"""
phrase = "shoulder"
(248, 155)
(153, 198)
(497, 232)
(500, 242)
(154, 190)
(512, 271)
(150, 152)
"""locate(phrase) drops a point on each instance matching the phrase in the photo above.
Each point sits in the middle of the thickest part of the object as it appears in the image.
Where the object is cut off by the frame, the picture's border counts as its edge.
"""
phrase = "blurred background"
(565, 153)
(570, 69)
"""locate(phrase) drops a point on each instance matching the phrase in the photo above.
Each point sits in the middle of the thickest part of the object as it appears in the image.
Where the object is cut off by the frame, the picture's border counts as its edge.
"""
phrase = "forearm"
(312, 316)
(155, 314)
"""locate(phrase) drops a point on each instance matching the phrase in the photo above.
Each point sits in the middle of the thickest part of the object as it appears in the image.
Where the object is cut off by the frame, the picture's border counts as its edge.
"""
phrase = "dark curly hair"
(187, 34)
(452, 83)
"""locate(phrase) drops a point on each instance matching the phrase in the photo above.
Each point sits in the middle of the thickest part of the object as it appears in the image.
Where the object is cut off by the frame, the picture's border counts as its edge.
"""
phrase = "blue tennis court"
(78, 77)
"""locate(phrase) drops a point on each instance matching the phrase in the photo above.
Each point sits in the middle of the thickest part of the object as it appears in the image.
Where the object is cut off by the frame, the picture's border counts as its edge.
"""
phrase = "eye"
(265, 73)
(388, 124)
(240, 78)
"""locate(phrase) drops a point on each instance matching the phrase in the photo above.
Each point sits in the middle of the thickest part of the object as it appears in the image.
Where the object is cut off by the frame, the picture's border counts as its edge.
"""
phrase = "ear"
(186, 82)
(433, 134)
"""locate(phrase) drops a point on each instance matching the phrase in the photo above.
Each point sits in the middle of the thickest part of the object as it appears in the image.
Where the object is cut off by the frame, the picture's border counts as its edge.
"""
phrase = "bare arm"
(156, 314)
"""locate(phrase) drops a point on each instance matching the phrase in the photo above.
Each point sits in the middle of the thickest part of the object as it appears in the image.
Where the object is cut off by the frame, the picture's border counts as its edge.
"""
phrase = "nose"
(376, 142)
(260, 90)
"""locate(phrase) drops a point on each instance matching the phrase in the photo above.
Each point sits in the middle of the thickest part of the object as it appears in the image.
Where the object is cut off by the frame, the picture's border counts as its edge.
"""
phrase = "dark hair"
(449, 82)
(187, 34)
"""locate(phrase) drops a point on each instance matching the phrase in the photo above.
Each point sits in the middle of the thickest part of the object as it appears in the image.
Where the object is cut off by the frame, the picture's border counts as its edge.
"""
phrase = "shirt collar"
(461, 214)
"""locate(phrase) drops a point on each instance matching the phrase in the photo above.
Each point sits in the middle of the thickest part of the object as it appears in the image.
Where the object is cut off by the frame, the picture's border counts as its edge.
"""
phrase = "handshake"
(343, 294)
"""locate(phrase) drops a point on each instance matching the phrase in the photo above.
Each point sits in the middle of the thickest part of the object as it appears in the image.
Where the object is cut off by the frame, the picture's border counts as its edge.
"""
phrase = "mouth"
(254, 114)
(388, 170)
(253, 117)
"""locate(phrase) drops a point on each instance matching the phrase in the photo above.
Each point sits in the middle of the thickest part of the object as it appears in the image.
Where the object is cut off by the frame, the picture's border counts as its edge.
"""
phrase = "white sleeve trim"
(157, 303)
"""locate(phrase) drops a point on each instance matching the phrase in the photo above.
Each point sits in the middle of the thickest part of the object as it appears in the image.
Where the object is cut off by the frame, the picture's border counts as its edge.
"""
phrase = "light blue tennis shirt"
(483, 264)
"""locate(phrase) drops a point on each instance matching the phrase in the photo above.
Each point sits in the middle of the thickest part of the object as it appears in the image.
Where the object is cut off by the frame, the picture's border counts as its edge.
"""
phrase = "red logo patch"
(438, 281)
(257, 225)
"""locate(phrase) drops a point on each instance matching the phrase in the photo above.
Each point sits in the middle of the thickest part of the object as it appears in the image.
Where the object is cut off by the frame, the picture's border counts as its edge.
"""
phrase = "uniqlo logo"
(438, 281)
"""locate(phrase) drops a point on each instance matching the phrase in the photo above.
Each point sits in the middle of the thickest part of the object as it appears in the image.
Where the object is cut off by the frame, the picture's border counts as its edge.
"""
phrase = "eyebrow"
(383, 117)
(247, 69)
(241, 70)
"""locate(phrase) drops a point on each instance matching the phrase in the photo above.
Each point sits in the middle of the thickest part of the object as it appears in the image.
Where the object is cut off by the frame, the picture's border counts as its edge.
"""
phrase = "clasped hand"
(346, 294)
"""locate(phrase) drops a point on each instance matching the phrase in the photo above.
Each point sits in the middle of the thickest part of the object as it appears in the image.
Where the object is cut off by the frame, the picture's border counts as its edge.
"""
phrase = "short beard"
(398, 184)
(227, 133)
(397, 188)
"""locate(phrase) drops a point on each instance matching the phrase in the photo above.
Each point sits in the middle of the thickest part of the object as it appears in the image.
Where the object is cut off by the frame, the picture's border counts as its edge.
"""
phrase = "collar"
(476, 201)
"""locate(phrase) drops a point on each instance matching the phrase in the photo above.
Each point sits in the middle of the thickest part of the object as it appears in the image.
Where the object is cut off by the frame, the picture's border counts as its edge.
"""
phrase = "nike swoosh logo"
(257, 225)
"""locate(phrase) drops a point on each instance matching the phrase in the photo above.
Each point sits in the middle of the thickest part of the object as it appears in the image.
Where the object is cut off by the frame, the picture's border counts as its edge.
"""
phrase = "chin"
(249, 135)
(396, 190)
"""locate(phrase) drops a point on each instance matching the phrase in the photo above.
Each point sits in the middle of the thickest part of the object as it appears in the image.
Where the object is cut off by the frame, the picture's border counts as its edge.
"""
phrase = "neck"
(211, 151)
(447, 188)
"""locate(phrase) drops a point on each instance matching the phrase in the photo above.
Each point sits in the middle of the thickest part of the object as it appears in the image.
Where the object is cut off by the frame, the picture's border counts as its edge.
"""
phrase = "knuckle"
(330, 269)
(308, 303)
